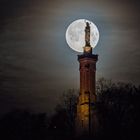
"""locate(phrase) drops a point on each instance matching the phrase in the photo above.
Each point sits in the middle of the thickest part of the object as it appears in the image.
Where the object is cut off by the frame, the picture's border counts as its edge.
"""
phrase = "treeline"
(118, 110)
(117, 107)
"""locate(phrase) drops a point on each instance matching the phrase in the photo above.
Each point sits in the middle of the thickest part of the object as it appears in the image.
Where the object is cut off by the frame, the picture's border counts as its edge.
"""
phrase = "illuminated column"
(87, 96)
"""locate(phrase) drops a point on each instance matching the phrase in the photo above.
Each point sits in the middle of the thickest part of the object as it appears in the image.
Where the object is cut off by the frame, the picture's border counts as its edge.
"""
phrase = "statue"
(87, 34)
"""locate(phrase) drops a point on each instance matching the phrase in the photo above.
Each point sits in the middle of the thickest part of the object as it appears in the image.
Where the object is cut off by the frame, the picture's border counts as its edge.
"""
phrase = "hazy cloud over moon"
(36, 64)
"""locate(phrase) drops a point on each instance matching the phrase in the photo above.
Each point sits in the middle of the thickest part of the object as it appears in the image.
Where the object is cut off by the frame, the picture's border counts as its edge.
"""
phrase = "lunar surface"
(75, 34)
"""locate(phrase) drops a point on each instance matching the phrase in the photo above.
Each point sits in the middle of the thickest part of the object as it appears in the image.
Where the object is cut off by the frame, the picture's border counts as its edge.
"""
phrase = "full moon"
(75, 34)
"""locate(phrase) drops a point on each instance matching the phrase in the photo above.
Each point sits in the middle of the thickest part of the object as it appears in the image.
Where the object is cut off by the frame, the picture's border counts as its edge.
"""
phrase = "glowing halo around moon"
(75, 34)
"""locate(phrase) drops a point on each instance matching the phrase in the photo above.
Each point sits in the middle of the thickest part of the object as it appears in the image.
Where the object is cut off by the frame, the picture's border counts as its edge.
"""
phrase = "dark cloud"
(36, 63)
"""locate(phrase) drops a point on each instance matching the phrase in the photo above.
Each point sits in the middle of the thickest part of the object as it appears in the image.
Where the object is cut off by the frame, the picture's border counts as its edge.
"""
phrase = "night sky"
(36, 64)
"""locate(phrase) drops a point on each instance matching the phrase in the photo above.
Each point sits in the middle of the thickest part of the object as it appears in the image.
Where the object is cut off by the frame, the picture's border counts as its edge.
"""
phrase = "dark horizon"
(36, 64)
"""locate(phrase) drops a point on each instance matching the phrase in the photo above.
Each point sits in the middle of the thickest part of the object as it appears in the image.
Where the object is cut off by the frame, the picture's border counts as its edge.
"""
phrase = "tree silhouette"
(117, 108)
(63, 121)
